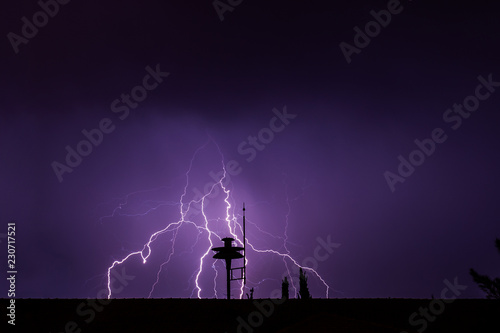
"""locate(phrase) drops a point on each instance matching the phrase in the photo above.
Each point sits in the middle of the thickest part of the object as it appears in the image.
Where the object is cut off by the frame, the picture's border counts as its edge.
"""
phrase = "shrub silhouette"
(490, 286)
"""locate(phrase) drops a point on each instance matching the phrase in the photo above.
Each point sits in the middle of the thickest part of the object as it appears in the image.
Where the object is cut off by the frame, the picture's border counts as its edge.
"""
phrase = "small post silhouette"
(251, 294)
(228, 253)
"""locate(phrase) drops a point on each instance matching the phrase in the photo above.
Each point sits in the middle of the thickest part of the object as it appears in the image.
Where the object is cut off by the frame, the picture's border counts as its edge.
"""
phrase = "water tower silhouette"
(229, 252)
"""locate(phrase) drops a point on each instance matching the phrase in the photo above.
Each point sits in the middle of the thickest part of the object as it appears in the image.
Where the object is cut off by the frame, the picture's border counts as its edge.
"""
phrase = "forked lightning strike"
(187, 208)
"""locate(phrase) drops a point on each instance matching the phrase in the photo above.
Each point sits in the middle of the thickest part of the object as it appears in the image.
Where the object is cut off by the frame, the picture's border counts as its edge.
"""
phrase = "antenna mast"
(229, 252)
(244, 249)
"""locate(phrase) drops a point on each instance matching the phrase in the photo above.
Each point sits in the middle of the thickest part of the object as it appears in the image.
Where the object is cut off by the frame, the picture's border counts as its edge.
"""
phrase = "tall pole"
(244, 249)
(228, 267)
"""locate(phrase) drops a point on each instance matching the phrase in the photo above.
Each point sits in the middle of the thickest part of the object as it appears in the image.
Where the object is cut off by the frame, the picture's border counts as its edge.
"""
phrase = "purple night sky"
(308, 115)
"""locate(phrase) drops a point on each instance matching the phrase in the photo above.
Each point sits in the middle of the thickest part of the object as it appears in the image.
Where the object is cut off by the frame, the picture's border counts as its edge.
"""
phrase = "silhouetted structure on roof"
(228, 253)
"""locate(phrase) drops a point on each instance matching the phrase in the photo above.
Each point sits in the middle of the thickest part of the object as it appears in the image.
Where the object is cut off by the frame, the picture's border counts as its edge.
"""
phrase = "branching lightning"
(205, 230)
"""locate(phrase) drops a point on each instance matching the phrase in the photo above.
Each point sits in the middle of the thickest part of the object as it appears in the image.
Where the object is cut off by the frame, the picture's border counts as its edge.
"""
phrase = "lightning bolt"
(206, 229)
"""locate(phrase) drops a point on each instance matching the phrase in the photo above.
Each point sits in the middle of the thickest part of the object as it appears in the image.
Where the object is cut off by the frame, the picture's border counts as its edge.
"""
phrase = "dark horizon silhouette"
(259, 315)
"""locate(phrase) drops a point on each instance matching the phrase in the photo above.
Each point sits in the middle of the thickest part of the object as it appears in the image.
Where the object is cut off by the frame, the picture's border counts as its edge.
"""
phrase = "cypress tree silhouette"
(284, 289)
(303, 289)
(490, 286)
